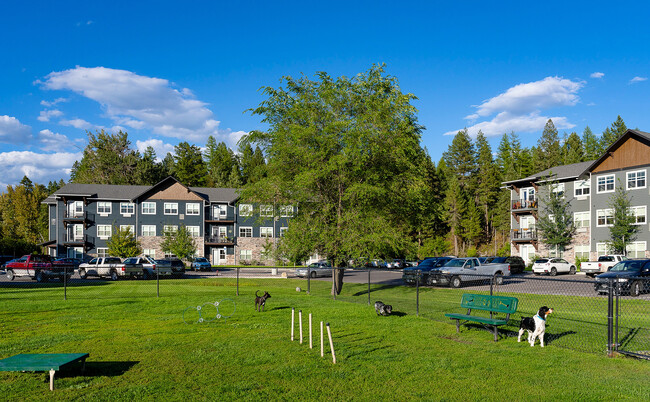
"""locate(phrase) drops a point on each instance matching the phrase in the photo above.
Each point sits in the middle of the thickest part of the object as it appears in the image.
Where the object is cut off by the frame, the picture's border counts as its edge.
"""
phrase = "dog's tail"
(256, 295)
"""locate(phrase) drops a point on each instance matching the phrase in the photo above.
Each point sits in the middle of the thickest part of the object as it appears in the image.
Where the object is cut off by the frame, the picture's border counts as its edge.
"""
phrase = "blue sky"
(167, 72)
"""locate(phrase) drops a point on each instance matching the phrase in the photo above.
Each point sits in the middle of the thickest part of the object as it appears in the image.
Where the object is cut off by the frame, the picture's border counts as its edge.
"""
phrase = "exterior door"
(527, 252)
(218, 256)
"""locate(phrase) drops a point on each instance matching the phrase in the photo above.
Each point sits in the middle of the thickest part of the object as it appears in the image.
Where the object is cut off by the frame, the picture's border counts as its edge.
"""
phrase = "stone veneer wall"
(581, 238)
(154, 242)
(256, 245)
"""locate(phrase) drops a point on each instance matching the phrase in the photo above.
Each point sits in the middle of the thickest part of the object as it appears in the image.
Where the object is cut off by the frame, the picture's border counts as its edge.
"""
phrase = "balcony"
(76, 217)
(219, 241)
(218, 218)
(523, 235)
(77, 240)
(524, 206)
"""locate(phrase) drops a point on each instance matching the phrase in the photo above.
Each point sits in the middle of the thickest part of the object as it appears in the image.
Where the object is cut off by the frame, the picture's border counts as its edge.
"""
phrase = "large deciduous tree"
(123, 243)
(179, 242)
(345, 152)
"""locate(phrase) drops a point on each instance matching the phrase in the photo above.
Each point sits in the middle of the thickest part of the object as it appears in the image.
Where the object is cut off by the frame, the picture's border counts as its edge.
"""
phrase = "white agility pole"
(322, 353)
(293, 320)
(329, 334)
(300, 324)
(311, 346)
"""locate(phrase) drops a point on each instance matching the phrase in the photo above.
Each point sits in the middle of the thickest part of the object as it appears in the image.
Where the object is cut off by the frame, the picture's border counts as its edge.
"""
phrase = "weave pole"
(329, 335)
(293, 321)
(300, 324)
(311, 345)
(322, 354)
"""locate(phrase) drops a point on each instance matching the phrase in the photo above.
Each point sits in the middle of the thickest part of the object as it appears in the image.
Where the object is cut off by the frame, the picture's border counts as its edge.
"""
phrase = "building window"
(150, 252)
(639, 215)
(602, 249)
(266, 210)
(245, 255)
(148, 230)
(192, 208)
(605, 217)
(104, 208)
(194, 231)
(581, 252)
(283, 230)
(170, 228)
(581, 219)
(76, 252)
(127, 208)
(102, 252)
(245, 231)
(636, 249)
(103, 231)
(266, 232)
(582, 188)
(286, 211)
(131, 228)
(245, 210)
(636, 180)
(148, 208)
(605, 184)
(171, 208)
(558, 188)
(76, 208)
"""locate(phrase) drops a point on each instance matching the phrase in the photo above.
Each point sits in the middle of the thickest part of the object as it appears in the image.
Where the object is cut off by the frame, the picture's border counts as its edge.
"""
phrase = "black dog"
(260, 301)
(383, 309)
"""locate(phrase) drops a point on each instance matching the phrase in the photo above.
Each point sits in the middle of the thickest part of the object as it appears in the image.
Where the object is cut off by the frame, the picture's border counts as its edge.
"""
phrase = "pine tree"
(487, 179)
(591, 144)
(460, 158)
(107, 159)
(455, 210)
(573, 151)
(549, 153)
(612, 133)
(189, 167)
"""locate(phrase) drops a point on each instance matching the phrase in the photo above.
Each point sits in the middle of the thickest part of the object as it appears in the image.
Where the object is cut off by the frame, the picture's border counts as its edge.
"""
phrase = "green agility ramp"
(51, 362)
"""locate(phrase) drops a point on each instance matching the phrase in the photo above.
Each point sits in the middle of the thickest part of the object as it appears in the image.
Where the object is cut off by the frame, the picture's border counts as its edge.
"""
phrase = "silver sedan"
(315, 269)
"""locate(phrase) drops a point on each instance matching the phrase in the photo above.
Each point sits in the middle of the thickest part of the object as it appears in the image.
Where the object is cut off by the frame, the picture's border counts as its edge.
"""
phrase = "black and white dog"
(383, 309)
(536, 326)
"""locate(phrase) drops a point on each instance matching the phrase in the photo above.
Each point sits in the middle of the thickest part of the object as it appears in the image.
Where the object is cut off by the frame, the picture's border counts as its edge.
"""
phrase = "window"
(558, 188)
(283, 231)
(245, 255)
(192, 208)
(148, 208)
(286, 210)
(76, 208)
(127, 208)
(102, 252)
(582, 188)
(151, 252)
(636, 180)
(103, 231)
(266, 232)
(581, 219)
(605, 217)
(639, 214)
(245, 231)
(636, 249)
(129, 227)
(605, 184)
(581, 252)
(245, 210)
(170, 228)
(528, 194)
(104, 208)
(556, 252)
(148, 230)
(171, 208)
(602, 249)
(266, 210)
(194, 231)
(75, 252)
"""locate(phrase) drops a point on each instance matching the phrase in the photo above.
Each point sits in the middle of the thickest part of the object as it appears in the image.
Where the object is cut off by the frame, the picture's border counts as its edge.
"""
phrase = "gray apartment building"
(588, 186)
(82, 217)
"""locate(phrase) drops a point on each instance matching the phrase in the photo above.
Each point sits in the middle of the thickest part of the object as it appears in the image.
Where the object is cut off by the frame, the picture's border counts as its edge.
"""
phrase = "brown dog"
(260, 301)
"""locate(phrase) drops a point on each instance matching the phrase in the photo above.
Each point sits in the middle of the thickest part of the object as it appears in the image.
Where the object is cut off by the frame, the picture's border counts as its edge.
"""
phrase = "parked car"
(73, 262)
(517, 264)
(111, 267)
(376, 264)
(146, 267)
(315, 269)
(201, 264)
(38, 267)
(459, 270)
(177, 266)
(5, 259)
(631, 276)
(604, 263)
(553, 266)
(425, 268)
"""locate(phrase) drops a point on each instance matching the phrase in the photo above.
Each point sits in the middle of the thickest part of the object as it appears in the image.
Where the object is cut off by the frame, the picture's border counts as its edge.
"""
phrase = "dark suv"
(631, 276)
(177, 266)
(517, 264)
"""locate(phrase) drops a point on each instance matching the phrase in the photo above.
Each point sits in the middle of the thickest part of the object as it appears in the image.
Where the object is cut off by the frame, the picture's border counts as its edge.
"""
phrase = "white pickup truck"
(604, 263)
(111, 267)
(459, 270)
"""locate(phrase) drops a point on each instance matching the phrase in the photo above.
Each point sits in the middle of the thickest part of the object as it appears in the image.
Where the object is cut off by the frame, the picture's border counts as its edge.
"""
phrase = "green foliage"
(123, 243)
(189, 167)
(107, 159)
(555, 224)
(472, 252)
(624, 230)
(549, 153)
(179, 243)
(22, 216)
(435, 246)
(572, 150)
(461, 160)
(591, 144)
(504, 251)
(612, 133)
(222, 165)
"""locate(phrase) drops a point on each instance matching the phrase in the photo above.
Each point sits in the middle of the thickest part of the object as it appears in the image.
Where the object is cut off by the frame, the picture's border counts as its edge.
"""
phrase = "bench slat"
(483, 320)
(497, 304)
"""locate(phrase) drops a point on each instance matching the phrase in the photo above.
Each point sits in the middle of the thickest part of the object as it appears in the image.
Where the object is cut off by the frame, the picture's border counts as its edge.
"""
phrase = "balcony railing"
(524, 204)
(75, 215)
(523, 234)
(219, 240)
(72, 238)
(219, 217)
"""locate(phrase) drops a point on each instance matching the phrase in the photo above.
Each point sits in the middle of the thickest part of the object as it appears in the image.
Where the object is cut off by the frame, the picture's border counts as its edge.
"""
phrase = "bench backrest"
(497, 304)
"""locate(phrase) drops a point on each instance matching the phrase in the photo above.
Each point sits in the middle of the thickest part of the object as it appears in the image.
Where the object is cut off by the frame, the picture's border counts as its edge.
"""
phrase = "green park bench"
(51, 362)
(492, 304)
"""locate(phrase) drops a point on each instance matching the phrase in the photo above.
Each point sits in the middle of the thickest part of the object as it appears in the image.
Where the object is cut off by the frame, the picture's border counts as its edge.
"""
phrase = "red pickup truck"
(39, 267)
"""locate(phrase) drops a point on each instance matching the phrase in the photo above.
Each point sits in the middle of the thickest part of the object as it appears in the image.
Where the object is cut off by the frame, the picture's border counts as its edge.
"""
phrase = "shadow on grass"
(99, 369)
(382, 287)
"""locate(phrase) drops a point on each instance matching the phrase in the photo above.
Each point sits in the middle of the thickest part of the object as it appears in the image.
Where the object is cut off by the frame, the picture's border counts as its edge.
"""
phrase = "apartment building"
(589, 187)
(83, 217)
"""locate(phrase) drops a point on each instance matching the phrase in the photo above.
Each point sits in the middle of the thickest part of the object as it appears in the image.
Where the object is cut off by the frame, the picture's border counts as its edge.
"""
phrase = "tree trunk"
(337, 283)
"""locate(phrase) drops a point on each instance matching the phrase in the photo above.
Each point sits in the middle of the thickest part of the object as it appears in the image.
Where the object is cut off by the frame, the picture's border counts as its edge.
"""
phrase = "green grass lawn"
(140, 348)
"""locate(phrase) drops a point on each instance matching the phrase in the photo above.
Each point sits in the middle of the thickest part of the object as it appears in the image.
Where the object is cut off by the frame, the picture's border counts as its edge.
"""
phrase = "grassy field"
(140, 348)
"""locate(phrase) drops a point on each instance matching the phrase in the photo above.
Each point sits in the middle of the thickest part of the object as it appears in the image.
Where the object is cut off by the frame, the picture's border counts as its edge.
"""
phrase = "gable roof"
(642, 135)
(559, 173)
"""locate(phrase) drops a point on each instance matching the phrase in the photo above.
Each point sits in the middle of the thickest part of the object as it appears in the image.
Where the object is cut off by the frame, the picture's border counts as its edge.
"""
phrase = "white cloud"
(638, 79)
(77, 123)
(520, 108)
(159, 146)
(46, 115)
(55, 142)
(597, 75)
(40, 168)
(141, 102)
(12, 131)
(54, 102)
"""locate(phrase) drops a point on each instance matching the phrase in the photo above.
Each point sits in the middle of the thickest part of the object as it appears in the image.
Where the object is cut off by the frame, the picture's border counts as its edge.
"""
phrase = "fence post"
(618, 292)
(417, 293)
(158, 283)
(368, 286)
(237, 282)
(610, 318)
(309, 279)
(65, 282)
(491, 290)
